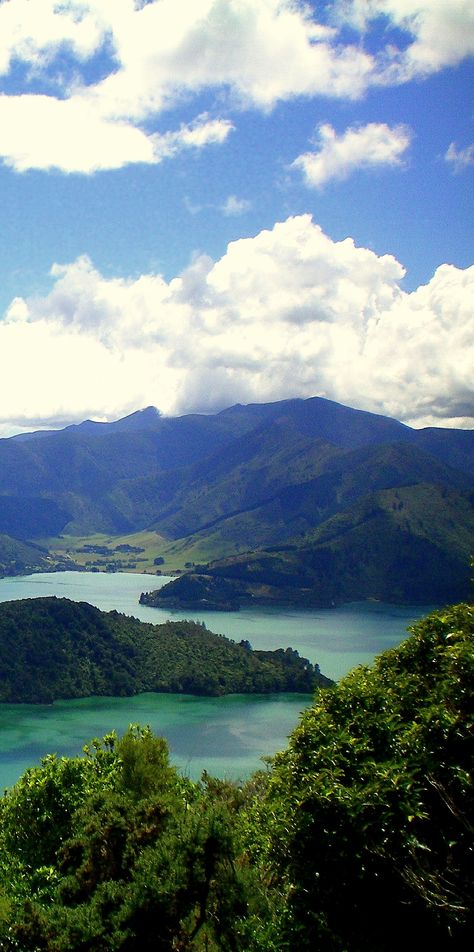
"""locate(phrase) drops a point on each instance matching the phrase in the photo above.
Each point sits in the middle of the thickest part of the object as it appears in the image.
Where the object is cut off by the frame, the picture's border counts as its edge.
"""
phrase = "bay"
(226, 736)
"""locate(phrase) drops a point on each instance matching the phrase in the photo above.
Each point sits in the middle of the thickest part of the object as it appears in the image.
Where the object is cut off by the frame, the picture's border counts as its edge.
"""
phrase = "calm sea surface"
(226, 736)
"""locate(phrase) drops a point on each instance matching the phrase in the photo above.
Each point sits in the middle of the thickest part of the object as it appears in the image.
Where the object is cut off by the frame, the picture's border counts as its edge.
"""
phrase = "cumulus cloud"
(439, 33)
(360, 147)
(460, 159)
(33, 32)
(203, 131)
(286, 313)
(46, 133)
(41, 132)
(262, 51)
(155, 55)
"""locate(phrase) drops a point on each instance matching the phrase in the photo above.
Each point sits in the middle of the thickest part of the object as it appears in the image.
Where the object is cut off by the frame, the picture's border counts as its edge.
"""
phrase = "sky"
(232, 201)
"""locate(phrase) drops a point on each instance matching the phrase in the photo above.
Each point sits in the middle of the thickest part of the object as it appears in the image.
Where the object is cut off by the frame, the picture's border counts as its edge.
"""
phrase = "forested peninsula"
(356, 838)
(52, 648)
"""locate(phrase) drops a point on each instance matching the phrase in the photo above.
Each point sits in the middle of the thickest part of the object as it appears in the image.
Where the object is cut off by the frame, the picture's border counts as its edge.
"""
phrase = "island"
(54, 648)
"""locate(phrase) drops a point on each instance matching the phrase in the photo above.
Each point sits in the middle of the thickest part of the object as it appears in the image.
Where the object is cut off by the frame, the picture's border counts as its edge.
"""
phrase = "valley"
(302, 502)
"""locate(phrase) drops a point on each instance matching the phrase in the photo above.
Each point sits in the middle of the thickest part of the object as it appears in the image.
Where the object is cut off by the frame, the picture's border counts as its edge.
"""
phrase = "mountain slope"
(250, 477)
(94, 474)
(301, 481)
(410, 544)
(18, 558)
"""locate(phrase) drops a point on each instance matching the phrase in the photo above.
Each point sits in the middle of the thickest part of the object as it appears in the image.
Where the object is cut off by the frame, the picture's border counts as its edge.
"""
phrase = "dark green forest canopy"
(357, 838)
(53, 648)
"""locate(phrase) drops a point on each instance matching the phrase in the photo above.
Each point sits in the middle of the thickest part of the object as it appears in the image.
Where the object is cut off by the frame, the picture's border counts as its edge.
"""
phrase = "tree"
(115, 850)
(363, 832)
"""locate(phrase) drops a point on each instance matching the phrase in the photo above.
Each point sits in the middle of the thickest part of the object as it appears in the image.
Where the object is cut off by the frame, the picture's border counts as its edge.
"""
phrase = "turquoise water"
(226, 736)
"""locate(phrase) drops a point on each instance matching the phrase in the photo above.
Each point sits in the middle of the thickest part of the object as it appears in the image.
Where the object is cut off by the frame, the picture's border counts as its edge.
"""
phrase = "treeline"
(357, 838)
(53, 648)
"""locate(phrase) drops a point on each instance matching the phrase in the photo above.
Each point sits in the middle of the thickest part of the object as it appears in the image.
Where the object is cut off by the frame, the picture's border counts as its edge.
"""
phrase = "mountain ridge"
(218, 486)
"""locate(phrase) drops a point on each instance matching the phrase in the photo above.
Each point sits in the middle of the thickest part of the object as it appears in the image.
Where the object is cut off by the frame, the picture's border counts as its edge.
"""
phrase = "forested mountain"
(124, 475)
(410, 544)
(300, 473)
(53, 648)
(357, 837)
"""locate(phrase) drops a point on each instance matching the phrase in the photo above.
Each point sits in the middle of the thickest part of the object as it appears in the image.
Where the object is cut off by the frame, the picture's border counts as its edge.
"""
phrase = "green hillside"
(19, 558)
(53, 648)
(271, 500)
(410, 544)
(300, 481)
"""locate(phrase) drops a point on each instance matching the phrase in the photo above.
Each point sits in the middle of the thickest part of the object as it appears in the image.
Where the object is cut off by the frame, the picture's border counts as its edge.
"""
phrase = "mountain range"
(303, 501)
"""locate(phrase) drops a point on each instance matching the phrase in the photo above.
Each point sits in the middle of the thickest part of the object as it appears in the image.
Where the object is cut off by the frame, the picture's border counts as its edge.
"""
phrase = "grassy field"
(133, 553)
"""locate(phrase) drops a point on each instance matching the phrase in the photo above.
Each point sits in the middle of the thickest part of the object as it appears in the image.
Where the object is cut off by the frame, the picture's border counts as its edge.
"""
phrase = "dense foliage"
(195, 592)
(115, 850)
(364, 833)
(54, 648)
(357, 838)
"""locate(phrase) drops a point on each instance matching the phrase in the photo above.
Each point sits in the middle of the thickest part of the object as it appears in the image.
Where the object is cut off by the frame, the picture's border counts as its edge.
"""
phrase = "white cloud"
(375, 144)
(286, 313)
(439, 33)
(231, 208)
(34, 32)
(255, 52)
(262, 51)
(234, 206)
(460, 159)
(45, 133)
(203, 131)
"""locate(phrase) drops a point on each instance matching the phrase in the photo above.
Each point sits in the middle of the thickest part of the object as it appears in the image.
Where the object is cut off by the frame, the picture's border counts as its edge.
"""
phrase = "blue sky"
(235, 200)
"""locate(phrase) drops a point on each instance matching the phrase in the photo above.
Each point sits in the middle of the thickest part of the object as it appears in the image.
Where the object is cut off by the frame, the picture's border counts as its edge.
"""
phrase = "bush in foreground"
(364, 832)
